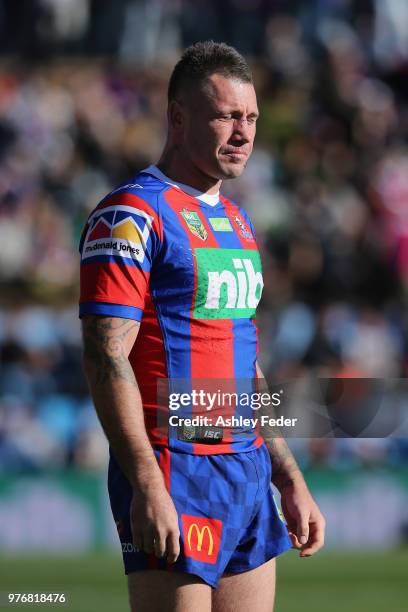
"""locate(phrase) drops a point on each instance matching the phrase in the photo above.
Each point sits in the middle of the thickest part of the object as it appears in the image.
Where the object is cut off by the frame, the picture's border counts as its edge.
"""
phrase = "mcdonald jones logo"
(202, 537)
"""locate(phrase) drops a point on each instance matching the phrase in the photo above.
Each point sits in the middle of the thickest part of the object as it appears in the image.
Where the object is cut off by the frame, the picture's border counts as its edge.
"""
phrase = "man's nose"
(241, 128)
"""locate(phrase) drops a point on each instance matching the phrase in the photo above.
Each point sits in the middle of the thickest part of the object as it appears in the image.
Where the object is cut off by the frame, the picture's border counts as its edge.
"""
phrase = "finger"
(173, 546)
(159, 545)
(311, 550)
(303, 529)
(294, 540)
(316, 542)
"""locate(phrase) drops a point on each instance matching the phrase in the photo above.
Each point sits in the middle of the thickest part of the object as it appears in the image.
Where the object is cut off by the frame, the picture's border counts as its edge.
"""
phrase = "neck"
(177, 166)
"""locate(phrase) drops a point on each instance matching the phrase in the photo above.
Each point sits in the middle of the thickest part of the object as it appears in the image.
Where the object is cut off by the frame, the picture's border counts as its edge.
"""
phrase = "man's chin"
(230, 171)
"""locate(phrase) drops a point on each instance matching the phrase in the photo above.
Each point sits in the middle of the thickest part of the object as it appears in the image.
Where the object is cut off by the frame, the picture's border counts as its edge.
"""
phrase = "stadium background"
(82, 106)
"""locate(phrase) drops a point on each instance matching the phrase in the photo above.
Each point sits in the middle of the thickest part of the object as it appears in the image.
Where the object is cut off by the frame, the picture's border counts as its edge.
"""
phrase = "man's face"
(219, 125)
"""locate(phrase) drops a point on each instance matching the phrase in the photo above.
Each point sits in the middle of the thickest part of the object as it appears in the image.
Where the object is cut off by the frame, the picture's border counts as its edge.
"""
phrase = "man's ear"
(175, 115)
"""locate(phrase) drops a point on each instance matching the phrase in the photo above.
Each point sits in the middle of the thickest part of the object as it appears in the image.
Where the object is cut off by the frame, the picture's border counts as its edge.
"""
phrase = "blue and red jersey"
(190, 272)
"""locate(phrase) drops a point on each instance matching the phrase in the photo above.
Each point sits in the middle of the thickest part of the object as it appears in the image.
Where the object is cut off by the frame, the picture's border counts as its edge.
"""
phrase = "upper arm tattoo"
(104, 347)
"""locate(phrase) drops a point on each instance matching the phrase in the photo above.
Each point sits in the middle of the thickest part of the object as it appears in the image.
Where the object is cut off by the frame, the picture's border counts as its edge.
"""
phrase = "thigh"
(252, 590)
(159, 591)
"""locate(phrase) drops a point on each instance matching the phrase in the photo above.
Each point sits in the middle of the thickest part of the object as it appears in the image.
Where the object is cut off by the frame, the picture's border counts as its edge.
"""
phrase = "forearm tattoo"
(283, 462)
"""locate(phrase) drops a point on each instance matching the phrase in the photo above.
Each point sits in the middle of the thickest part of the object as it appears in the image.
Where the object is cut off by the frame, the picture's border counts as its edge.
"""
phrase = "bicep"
(104, 335)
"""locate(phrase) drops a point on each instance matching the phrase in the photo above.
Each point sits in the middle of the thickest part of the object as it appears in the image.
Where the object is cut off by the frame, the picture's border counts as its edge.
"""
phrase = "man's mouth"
(235, 154)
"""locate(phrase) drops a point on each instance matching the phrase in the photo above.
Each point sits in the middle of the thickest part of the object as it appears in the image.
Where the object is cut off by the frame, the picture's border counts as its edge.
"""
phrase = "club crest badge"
(243, 230)
(195, 224)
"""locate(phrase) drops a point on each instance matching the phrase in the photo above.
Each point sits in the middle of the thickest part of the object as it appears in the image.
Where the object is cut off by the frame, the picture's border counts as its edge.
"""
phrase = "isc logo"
(229, 283)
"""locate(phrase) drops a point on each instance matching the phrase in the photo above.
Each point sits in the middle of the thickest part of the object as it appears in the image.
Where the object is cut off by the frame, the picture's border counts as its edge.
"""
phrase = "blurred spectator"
(326, 187)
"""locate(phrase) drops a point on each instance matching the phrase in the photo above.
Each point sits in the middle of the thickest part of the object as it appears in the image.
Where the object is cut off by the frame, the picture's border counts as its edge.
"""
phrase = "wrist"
(145, 474)
(293, 479)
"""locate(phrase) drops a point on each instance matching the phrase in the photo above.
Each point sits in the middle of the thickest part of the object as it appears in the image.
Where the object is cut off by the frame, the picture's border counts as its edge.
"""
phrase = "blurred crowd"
(82, 106)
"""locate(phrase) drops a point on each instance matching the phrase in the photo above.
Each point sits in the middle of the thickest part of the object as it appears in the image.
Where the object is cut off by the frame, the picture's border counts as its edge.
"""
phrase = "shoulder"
(133, 207)
(141, 192)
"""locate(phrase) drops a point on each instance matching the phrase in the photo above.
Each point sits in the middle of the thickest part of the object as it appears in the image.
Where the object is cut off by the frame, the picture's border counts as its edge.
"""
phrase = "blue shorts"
(228, 518)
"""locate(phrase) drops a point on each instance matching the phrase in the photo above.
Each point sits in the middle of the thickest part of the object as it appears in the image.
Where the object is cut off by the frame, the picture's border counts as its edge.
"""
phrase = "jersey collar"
(212, 199)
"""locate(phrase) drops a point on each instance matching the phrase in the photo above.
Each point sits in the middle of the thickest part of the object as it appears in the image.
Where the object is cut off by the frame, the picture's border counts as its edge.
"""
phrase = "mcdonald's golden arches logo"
(202, 537)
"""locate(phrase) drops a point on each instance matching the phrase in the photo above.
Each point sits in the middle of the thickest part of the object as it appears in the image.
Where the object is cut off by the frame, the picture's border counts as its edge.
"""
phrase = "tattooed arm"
(285, 468)
(304, 520)
(107, 343)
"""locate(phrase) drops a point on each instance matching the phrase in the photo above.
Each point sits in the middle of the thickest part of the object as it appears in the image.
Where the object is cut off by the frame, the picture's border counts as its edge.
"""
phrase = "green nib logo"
(229, 283)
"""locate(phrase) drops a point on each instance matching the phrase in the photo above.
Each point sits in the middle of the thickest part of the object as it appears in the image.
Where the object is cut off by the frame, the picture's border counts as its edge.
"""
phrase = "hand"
(154, 523)
(305, 522)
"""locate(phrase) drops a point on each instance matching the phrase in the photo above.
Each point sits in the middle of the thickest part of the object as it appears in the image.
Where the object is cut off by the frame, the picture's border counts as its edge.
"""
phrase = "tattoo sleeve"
(107, 342)
(284, 466)
(104, 349)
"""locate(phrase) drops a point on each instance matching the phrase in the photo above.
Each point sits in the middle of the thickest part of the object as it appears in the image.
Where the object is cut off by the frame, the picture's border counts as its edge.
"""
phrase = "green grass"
(329, 582)
(94, 583)
(343, 582)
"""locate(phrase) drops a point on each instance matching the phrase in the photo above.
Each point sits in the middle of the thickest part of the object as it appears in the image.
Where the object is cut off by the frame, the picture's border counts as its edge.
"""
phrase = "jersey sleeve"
(118, 247)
